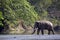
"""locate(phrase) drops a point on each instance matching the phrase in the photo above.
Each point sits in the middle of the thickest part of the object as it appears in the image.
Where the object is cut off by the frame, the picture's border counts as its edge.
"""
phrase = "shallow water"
(29, 37)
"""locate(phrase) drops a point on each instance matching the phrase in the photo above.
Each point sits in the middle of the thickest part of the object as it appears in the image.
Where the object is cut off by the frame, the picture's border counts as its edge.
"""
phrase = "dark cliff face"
(53, 11)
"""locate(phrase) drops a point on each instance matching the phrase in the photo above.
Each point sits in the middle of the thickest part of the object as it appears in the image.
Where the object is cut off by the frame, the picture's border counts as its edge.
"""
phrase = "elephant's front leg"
(42, 31)
(38, 30)
(34, 31)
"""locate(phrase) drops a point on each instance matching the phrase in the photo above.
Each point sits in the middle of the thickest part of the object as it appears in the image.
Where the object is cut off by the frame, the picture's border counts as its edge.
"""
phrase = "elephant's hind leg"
(48, 32)
(52, 31)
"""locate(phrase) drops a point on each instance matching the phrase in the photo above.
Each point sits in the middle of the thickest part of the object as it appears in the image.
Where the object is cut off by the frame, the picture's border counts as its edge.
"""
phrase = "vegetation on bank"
(17, 12)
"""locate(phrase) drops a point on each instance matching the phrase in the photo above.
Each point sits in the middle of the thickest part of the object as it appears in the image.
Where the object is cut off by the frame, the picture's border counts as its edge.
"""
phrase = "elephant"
(43, 25)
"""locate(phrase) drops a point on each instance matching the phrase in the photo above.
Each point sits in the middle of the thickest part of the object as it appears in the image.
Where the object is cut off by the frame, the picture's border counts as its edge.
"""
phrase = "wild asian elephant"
(43, 25)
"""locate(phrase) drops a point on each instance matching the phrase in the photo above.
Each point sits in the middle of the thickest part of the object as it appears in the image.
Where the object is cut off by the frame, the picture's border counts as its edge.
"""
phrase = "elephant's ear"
(35, 25)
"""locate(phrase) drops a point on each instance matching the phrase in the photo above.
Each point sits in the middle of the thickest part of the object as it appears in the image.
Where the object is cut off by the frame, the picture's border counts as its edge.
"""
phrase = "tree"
(12, 10)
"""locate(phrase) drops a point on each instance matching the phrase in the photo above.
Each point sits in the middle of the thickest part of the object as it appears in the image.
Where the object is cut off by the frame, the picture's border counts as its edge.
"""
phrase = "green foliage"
(19, 9)
(22, 9)
(44, 15)
(1, 17)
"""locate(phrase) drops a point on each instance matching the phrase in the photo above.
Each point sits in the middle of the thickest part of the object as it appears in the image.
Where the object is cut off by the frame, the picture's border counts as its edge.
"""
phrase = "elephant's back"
(45, 22)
